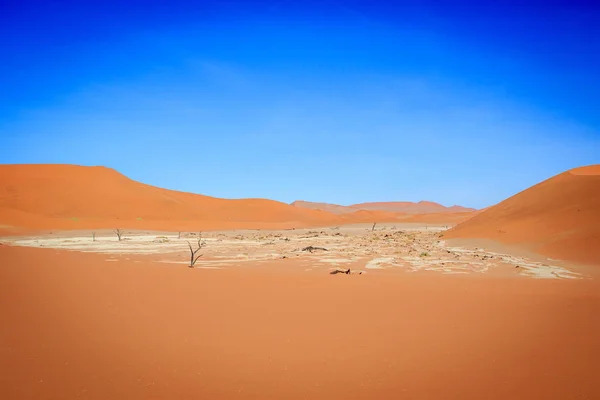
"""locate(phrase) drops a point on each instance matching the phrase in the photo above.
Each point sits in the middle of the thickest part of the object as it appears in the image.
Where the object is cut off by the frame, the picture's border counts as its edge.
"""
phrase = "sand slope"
(364, 216)
(449, 218)
(559, 218)
(68, 196)
(332, 208)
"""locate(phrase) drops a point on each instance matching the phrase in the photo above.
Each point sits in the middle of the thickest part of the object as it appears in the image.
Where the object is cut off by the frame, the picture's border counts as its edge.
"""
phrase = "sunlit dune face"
(587, 170)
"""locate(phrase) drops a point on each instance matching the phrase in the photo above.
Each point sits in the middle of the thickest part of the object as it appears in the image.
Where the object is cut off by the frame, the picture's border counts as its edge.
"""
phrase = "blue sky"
(334, 101)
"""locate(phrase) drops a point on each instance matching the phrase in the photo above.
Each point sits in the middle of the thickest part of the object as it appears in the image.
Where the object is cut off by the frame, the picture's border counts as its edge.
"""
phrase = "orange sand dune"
(422, 207)
(44, 197)
(74, 197)
(371, 216)
(449, 218)
(403, 207)
(364, 216)
(332, 208)
(559, 218)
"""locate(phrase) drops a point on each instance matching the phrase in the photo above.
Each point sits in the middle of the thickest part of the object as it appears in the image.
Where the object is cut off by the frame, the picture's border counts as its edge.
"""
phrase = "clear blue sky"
(335, 101)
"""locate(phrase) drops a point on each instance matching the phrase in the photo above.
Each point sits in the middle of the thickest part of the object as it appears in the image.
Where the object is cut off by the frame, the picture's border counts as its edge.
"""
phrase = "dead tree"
(179, 235)
(193, 256)
(373, 228)
(93, 236)
(119, 233)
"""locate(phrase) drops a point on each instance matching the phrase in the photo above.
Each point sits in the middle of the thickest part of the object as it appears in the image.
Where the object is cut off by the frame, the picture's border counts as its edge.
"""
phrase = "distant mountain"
(422, 207)
(404, 207)
(332, 208)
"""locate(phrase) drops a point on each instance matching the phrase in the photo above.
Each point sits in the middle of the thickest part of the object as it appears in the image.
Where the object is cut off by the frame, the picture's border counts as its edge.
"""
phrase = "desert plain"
(294, 301)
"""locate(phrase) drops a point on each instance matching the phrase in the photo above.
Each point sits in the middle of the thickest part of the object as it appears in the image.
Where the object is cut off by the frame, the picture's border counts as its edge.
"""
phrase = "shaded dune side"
(558, 218)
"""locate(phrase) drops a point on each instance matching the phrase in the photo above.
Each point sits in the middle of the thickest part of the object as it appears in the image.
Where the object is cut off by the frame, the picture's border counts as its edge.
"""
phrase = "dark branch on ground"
(313, 248)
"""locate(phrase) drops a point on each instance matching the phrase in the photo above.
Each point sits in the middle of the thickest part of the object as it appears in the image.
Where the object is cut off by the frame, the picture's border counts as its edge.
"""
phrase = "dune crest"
(402, 207)
(586, 170)
(557, 218)
(74, 197)
(422, 207)
(57, 196)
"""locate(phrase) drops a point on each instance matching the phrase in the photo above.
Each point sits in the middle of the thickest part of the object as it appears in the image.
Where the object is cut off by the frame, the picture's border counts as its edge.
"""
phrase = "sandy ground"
(389, 248)
(129, 320)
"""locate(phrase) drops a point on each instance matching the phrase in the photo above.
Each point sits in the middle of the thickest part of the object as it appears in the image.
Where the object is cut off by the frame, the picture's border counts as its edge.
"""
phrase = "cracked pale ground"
(388, 248)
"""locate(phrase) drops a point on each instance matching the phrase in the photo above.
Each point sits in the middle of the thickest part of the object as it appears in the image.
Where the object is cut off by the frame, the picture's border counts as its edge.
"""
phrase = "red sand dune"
(365, 216)
(422, 207)
(73, 197)
(402, 207)
(377, 212)
(45, 197)
(370, 216)
(74, 326)
(449, 218)
(332, 208)
(559, 218)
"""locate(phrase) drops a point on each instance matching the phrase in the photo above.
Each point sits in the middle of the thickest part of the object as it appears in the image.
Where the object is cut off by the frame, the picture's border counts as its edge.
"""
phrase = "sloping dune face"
(443, 217)
(366, 216)
(53, 196)
(559, 218)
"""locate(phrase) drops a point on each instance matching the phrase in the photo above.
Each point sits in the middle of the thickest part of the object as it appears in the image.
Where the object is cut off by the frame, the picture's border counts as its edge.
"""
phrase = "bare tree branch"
(313, 248)
(193, 256)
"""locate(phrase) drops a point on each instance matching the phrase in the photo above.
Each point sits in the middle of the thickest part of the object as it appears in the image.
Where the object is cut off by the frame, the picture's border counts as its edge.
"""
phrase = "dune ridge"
(403, 207)
(55, 196)
(61, 197)
(558, 218)
(422, 207)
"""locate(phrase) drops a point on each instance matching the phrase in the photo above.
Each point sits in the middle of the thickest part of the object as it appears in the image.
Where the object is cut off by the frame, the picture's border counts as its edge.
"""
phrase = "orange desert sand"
(559, 218)
(503, 305)
(38, 197)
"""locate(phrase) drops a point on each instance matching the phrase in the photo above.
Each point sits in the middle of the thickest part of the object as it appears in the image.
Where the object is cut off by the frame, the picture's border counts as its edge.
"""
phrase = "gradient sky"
(334, 101)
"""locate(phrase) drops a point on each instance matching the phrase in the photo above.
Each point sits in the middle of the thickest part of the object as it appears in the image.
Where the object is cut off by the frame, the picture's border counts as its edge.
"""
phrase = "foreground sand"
(75, 325)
